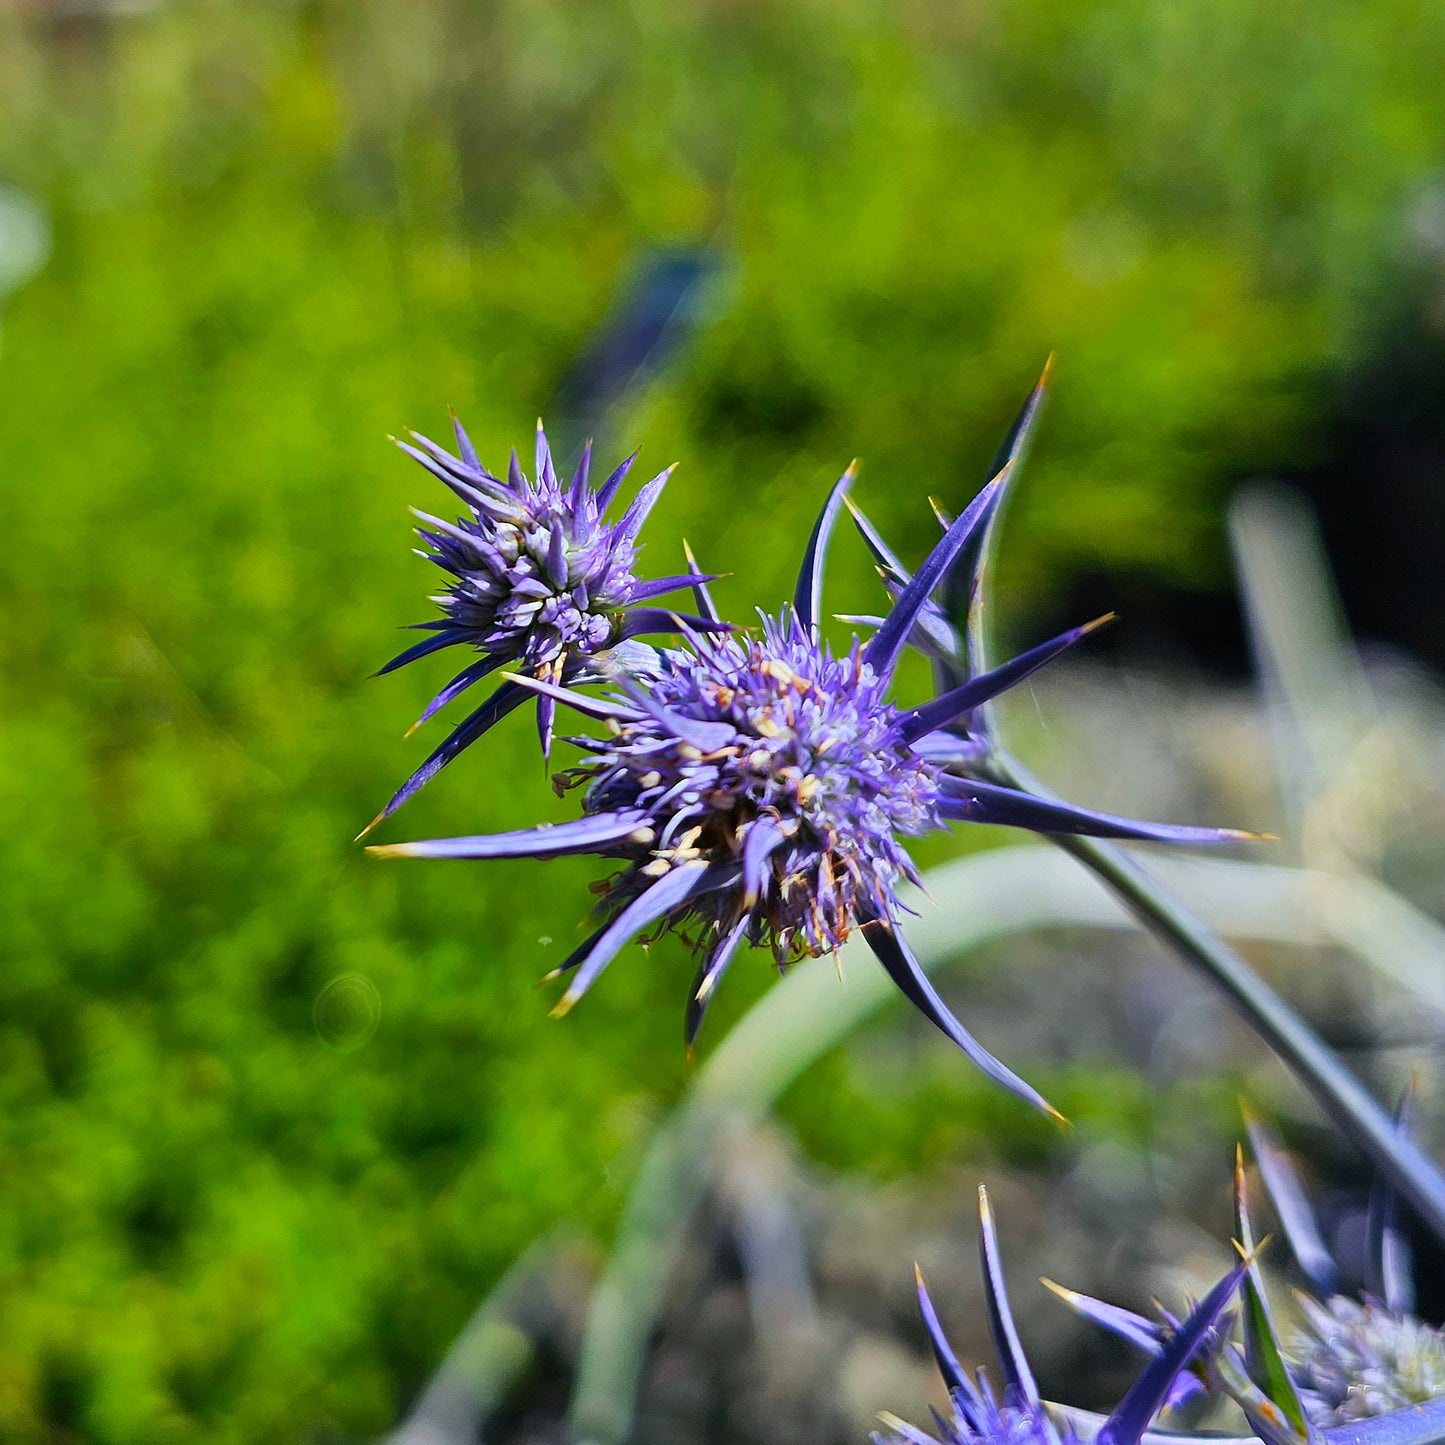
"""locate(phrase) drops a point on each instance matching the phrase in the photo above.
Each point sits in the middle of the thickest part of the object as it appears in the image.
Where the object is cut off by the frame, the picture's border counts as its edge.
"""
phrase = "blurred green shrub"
(284, 230)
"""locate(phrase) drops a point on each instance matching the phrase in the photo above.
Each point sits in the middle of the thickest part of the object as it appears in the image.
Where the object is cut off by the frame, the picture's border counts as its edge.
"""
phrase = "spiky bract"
(1352, 1358)
(978, 1417)
(981, 1420)
(1347, 1360)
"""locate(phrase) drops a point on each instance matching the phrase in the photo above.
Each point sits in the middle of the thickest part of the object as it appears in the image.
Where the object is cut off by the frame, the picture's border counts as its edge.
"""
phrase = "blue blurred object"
(668, 294)
(25, 239)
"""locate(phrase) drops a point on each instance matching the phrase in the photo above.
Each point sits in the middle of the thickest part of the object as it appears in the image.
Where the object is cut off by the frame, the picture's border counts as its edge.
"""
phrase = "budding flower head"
(539, 581)
(1020, 1417)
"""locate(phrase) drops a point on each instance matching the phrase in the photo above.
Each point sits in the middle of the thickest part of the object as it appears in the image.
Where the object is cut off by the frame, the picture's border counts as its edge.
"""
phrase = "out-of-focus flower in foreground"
(540, 582)
(1344, 1360)
(758, 789)
(1019, 1416)
(1351, 1358)
(1355, 1359)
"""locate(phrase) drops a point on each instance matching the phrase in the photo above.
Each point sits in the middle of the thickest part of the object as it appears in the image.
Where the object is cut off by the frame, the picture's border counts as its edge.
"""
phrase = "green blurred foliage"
(285, 230)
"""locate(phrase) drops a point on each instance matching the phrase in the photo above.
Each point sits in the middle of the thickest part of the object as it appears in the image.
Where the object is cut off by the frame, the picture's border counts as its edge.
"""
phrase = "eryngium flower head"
(979, 1417)
(1351, 1360)
(539, 581)
(759, 791)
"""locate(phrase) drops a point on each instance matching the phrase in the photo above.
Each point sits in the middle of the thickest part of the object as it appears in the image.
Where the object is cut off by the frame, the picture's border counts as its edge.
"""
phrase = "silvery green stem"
(1333, 1087)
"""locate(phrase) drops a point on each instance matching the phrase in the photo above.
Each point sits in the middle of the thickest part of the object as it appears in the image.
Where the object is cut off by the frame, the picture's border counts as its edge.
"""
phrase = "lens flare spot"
(347, 1012)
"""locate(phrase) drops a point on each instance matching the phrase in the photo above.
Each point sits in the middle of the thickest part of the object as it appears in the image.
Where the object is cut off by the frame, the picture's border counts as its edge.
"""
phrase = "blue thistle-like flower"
(757, 789)
(540, 582)
(1020, 1416)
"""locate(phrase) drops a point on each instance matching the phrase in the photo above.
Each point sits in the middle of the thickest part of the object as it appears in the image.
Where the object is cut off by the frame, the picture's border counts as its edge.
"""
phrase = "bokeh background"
(274, 1118)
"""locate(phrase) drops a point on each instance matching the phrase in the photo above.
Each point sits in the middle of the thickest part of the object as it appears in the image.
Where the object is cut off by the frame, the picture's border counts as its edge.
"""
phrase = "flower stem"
(1333, 1087)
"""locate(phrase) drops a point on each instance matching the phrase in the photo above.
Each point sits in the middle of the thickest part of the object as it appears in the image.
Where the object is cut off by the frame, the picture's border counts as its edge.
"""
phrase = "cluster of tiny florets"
(783, 768)
(1352, 1360)
(536, 574)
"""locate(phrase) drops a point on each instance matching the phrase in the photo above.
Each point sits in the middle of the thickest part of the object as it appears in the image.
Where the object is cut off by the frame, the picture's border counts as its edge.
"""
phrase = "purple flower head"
(1020, 1417)
(758, 790)
(1352, 1360)
(539, 581)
